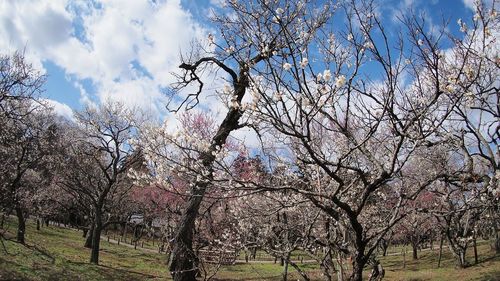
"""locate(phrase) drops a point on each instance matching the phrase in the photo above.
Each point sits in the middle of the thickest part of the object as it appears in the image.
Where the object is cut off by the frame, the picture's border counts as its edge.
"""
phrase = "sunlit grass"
(55, 253)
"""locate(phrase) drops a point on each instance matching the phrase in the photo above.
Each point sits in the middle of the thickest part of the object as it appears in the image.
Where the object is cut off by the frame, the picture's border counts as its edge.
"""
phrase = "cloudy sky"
(126, 49)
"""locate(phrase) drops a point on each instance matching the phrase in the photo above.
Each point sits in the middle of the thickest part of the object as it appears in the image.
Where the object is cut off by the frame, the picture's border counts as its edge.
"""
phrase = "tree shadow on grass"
(491, 276)
(118, 274)
(275, 277)
(7, 274)
(42, 252)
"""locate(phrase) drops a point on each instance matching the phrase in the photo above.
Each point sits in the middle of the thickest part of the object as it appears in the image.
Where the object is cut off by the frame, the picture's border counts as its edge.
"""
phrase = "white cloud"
(127, 48)
(38, 26)
(471, 3)
(59, 108)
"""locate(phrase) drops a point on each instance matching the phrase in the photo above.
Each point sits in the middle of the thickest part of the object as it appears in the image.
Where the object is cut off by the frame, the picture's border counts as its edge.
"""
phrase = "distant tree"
(25, 137)
(19, 82)
(96, 161)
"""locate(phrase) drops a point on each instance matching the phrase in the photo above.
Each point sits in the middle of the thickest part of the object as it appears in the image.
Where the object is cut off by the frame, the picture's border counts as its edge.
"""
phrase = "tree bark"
(340, 273)
(21, 225)
(440, 250)
(358, 264)
(415, 251)
(183, 256)
(96, 240)
(461, 259)
(384, 249)
(300, 271)
(475, 248)
(90, 234)
(285, 266)
(404, 256)
(497, 242)
(377, 273)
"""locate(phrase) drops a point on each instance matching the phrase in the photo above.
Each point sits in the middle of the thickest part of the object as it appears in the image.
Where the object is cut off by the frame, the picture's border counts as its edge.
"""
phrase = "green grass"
(425, 268)
(55, 253)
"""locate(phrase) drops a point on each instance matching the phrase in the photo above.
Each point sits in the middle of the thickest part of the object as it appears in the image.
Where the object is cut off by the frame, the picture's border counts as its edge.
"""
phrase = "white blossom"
(340, 81)
(230, 49)
(226, 89)
(319, 77)
(327, 75)
(304, 62)
(278, 96)
(210, 39)
(287, 66)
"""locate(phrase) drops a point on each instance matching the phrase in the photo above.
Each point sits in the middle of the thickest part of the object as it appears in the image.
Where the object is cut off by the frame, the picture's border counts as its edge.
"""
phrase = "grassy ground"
(425, 268)
(57, 254)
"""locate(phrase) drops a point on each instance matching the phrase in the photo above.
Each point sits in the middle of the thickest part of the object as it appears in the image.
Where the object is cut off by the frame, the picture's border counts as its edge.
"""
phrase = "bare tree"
(360, 128)
(253, 34)
(96, 161)
(19, 81)
(24, 136)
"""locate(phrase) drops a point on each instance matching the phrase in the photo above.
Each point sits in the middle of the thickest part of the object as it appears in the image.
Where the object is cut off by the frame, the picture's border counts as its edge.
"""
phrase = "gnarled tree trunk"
(21, 225)
(90, 234)
(96, 240)
(183, 263)
(183, 256)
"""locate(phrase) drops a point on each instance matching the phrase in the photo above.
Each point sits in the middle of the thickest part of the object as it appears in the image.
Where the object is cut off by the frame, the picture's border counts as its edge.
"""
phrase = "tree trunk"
(403, 252)
(385, 247)
(440, 250)
(123, 229)
(475, 248)
(377, 273)
(415, 249)
(90, 234)
(96, 240)
(285, 267)
(461, 259)
(357, 269)
(497, 242)
(21, 225)
(38, 224)
(358, 264)
(183, 256)
(300, 271)
(340, 273)
(328, 266)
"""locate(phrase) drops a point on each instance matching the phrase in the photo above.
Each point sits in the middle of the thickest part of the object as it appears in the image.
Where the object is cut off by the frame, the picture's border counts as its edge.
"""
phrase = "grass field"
(55, 253)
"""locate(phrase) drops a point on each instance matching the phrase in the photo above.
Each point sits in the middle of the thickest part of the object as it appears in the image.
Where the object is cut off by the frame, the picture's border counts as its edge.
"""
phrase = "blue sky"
(126, 49)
